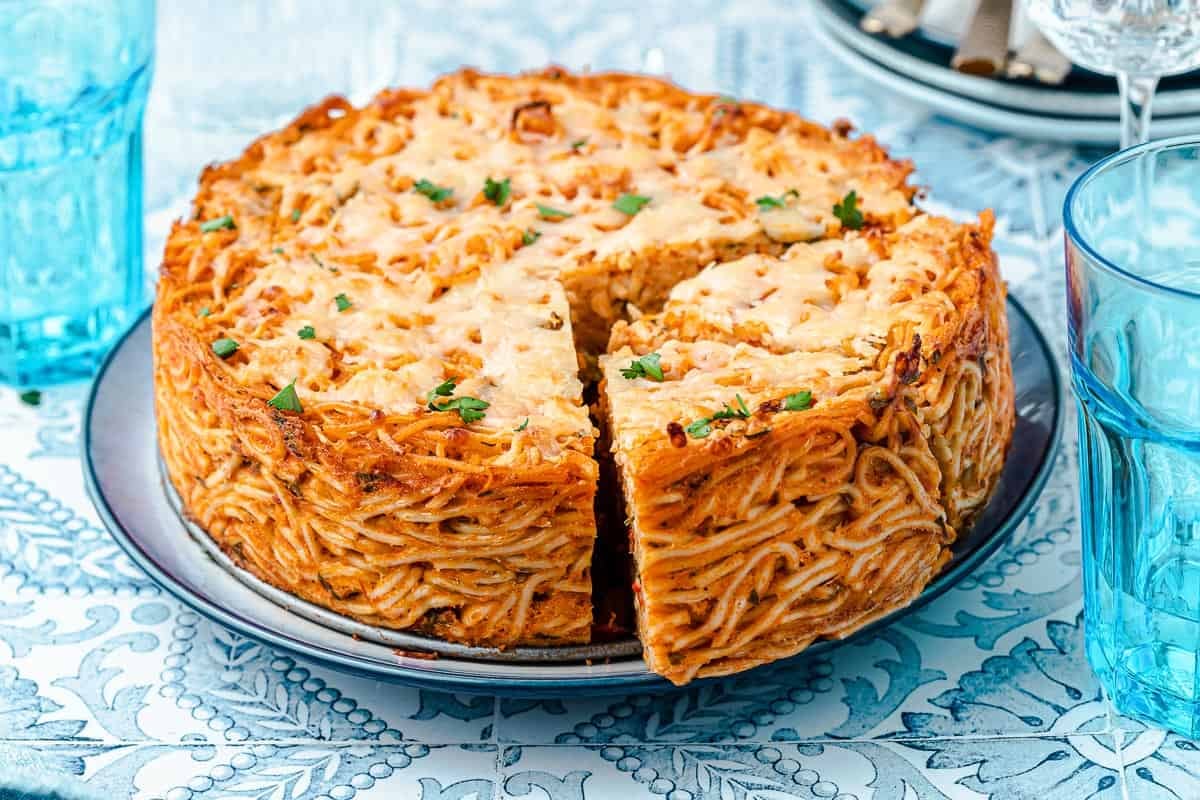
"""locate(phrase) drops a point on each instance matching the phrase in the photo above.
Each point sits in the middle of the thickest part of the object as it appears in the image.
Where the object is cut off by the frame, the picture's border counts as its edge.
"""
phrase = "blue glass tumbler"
(74, 76)
(1133, 298)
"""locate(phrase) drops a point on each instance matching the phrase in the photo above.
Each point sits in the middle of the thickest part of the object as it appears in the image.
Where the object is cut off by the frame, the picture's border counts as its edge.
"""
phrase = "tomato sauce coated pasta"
(374, 333)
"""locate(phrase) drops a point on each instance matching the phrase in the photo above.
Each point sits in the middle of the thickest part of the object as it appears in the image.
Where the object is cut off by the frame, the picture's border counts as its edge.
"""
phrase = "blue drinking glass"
(1133, 298)
(74, 75)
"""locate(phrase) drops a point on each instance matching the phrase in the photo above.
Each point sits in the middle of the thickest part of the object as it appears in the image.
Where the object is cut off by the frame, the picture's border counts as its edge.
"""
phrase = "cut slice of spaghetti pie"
(815, 429)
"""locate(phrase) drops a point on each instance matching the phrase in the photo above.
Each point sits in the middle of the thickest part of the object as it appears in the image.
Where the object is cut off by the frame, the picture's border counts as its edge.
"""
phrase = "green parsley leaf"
(727, 99)
(307, 332)
(343, 302)
(470, 409)
(287, 399)
(800, 401)
(530, 236)
(631, 203)
(546, 212)
(224, 348)
(31, 397)
(766, 202)
(317, 260)
(522, 426)
(728, 412)
(647, 366)
(703, 426)
(431, 190)
(295, 215)
(578, 143)
(497, 191)
(204, 312)
(220, 223)
(443, 389)
(278, 251)
(742, 410)
(847, 211)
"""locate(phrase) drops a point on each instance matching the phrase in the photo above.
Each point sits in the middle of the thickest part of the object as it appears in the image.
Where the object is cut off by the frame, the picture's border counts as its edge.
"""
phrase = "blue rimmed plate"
(123, 477)
(1084, 110)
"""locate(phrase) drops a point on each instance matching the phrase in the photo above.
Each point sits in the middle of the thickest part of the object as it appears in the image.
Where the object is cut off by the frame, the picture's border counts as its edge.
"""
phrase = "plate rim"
(973, 112)
(1169, 101)
(542, 679)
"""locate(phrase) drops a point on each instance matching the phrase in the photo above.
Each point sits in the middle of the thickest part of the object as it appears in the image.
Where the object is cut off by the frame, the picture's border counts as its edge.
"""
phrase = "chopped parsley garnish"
(766, 202)
(631, 203)
(522, 426)
(224, 348)
(343, 302)
(727, 99)
(647, 366)
(547, 212)
(287, 399)
(703, 426)
(295, 215)
(800, 401)
(497, 191)
(317, 260)
(307, 332)
(530, 236)
(431, 190)
(470, 409)
(847, 211)
(443, 389)
(31, 397)
(204, 312)
(578, 143)
(278, 251)
(220, 223)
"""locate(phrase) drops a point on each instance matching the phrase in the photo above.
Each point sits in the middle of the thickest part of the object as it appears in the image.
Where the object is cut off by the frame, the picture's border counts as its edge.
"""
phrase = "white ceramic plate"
(831, 29)
(911, 57)
(122, 472)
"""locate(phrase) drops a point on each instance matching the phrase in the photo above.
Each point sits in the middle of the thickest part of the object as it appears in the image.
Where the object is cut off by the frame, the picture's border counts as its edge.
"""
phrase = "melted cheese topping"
(462, 287)
(815, 319)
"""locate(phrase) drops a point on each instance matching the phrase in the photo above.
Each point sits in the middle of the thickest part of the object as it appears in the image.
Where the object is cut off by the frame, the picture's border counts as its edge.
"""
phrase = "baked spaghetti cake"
(815, 429)
(373, 335)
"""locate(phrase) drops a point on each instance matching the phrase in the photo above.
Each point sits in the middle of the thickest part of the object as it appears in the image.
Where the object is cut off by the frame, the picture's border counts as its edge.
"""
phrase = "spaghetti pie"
(369, 340)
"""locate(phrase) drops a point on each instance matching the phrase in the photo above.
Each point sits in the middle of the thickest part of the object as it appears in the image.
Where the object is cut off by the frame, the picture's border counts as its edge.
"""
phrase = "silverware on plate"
(984, 48)
(1037, 58)
(896, 18)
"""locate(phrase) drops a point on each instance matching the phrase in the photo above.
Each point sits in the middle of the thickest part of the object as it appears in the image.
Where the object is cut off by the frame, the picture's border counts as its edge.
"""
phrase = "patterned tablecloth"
(985, 693)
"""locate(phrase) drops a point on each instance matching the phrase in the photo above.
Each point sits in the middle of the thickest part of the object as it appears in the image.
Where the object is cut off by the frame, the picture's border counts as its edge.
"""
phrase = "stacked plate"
(1083, 109)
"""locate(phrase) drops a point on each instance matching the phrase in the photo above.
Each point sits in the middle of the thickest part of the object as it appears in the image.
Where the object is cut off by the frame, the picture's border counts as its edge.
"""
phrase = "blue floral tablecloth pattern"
(984, 694)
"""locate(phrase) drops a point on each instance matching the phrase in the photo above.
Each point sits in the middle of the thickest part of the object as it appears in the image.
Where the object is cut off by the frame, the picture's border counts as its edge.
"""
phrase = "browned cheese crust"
(760, 532)
(393, 264)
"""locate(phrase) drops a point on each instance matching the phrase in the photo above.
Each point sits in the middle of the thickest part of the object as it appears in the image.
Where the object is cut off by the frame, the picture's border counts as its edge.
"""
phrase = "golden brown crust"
(773, 530)
(480, 531)
(315, 506)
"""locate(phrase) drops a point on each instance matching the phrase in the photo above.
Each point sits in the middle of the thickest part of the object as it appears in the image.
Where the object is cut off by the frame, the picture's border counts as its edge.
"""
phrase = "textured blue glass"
(1133, 296)
(74, 75)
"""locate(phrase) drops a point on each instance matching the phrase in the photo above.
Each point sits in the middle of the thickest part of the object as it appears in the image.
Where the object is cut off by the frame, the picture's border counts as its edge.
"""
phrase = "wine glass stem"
(1137, 95)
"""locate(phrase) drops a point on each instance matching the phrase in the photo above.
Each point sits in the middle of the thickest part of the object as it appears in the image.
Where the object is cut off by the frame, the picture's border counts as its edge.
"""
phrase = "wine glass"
(1139, 41)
